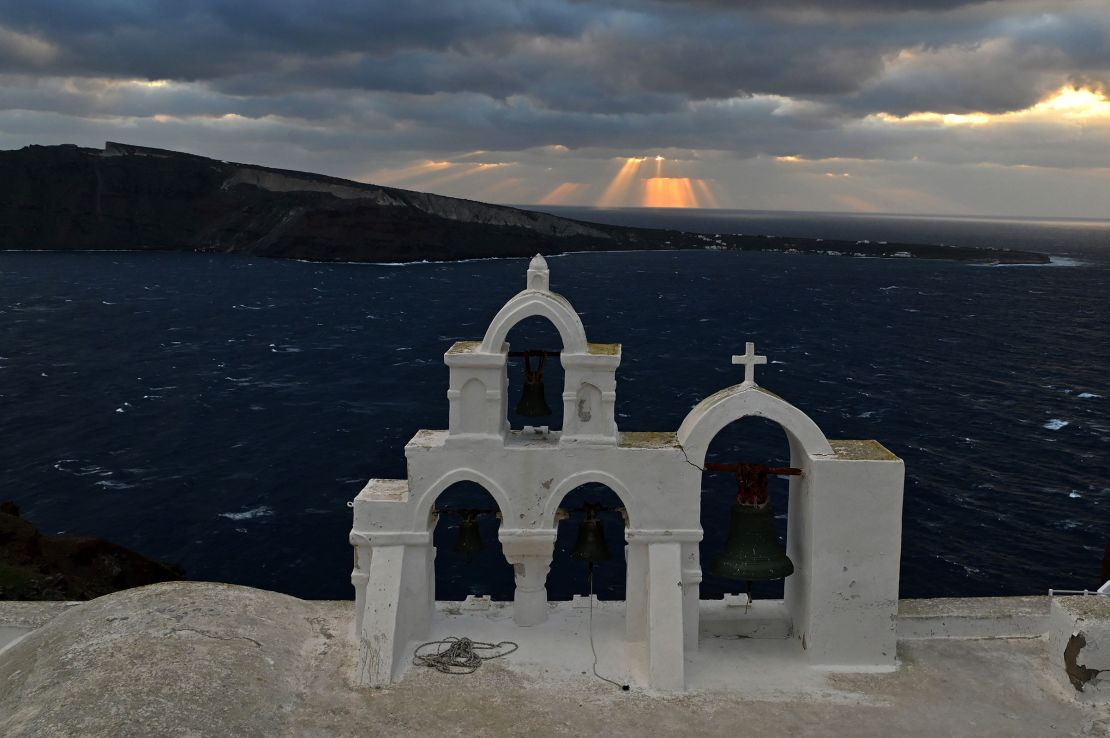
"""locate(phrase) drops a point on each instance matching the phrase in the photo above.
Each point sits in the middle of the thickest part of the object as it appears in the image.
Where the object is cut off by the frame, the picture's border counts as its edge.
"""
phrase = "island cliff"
(35, 566)
(127, 197)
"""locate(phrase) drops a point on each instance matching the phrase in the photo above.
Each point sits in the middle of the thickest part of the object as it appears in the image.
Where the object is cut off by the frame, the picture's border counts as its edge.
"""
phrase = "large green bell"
(470, 537)
(590, 546)
(753, 551)
(532, 403)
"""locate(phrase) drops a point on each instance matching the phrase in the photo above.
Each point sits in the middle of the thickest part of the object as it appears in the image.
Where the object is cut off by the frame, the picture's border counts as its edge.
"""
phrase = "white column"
(359, 576)
(850, 557)
(635, 592)
(691, 595)
(396, 605)
(530, 552)
(666, 657)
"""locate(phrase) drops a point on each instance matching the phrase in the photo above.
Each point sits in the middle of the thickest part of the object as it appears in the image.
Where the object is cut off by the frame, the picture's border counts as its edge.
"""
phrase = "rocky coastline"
(126, 197)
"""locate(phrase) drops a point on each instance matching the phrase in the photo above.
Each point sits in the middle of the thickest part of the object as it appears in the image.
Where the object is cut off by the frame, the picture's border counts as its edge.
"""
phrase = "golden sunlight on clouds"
(396, 176)
(568, 193)
(678, 192)
(616, 194)
(791, 159)
(669, 192)
(461, 171)
(629, 187)
(429, 173)
(1067, 103)
(1077, 103)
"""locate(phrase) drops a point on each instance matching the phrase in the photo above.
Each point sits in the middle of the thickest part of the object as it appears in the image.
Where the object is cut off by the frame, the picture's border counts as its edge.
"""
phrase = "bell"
(470, 537)
(590, 546)
(753, 551)
(532, 403)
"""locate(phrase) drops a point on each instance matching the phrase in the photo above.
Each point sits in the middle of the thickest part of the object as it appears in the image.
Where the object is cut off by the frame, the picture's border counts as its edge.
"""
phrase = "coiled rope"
(460, 655)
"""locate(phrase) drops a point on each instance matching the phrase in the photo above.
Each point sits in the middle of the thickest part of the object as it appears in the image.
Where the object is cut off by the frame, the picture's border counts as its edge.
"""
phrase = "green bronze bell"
(590, 546)
(532, 403)
(470, 537)
(753, 551)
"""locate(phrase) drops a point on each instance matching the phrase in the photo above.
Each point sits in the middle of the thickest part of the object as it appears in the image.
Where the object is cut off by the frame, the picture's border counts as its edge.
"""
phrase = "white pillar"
(530, 552)
(635, 592)
(666, 657)
(396, 605)
(849, 560)
(691, 594)
(359, 576)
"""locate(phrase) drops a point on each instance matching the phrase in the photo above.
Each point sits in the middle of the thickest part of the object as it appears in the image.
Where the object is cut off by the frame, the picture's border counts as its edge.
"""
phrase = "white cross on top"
(749, 359)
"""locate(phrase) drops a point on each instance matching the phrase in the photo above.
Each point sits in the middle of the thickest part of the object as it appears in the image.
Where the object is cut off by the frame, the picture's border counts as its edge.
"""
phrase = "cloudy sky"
(921, 106)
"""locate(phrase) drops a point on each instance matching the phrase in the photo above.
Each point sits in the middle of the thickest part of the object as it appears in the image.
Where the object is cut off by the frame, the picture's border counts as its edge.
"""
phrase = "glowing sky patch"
(1067, 103)
(677, 192)
(459, 171)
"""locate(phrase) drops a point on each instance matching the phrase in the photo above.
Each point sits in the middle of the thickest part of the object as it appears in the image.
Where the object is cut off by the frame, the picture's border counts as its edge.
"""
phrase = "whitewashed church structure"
(843, 529)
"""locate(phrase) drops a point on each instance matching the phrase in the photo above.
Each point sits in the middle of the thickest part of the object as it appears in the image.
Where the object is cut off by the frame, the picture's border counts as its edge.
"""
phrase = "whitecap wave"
(114, 484)
(1055, 424)
(262, 511)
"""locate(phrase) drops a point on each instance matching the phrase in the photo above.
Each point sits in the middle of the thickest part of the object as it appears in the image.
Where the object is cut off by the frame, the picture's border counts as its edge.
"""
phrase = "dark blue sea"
(219, 412)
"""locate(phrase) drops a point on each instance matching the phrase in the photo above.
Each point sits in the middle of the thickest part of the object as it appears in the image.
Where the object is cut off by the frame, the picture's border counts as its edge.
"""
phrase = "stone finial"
(749, 359)
(539, 276)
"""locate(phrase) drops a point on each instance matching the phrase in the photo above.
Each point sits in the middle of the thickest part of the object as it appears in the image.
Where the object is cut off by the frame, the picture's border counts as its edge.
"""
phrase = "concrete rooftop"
(199, 659)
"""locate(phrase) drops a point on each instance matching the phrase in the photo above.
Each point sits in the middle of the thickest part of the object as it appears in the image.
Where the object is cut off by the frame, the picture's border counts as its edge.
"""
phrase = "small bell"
(590, 546)
(753, 551)
(470, 537)
(532, 403)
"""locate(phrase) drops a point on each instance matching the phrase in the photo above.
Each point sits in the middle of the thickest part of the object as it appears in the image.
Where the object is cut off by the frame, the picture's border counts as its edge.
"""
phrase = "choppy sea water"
(219, 411)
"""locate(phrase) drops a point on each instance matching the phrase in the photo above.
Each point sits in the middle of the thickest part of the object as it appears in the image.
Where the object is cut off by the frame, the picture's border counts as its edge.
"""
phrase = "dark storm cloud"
(752, 78)
(212, 38)
(884, 6)
(576, 56)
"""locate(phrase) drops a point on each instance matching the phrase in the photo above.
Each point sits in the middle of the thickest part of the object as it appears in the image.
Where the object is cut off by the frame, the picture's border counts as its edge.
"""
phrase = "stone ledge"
(973, 617)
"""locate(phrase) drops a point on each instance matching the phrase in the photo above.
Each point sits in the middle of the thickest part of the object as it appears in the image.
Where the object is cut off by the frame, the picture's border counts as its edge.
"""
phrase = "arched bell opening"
(744, 549)
(535, 375)
(590, 540)
(469, 559)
